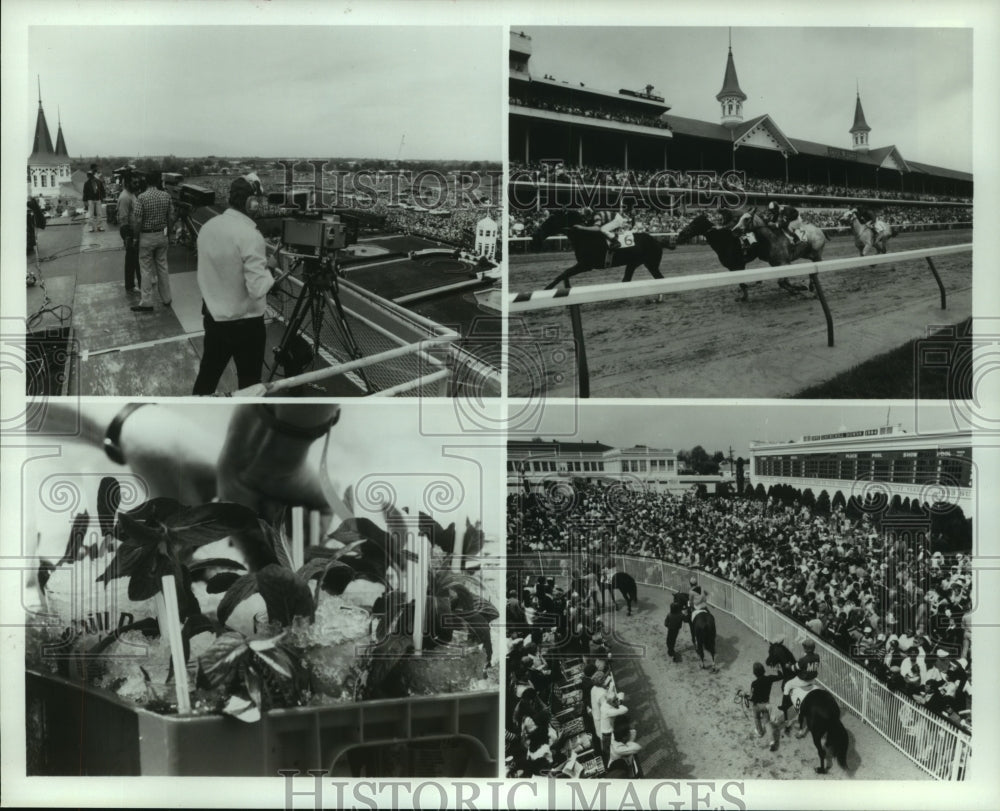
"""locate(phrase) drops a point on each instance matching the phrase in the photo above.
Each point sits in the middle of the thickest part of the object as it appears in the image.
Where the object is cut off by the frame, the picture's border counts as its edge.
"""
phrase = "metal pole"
(814, 277)
(582, 371)
(940, 284)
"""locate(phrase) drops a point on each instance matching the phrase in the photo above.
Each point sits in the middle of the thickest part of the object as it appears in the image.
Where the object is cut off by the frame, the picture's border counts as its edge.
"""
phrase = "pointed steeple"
(859, 131)
(42, 146)
(731, 97)
(60, 141)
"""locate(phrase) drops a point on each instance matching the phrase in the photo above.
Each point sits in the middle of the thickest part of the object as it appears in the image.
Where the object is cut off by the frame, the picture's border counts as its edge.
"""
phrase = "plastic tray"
(77, 730)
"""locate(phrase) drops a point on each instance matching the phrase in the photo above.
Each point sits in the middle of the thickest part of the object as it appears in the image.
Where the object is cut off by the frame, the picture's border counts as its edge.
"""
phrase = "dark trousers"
(132, 277)
(606, 746)
(242, 341)
(672, 639)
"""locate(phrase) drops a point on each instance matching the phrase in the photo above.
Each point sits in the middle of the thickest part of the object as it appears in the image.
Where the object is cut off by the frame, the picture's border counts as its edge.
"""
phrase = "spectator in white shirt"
(610, 708)
(234, 280)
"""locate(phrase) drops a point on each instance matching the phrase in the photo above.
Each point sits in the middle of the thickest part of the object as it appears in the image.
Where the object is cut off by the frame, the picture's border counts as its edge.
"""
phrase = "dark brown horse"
(735, 253)
(591, 247)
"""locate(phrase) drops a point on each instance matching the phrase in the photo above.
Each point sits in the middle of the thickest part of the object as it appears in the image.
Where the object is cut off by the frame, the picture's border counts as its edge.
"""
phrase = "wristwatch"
(267, 415)
(112, 437)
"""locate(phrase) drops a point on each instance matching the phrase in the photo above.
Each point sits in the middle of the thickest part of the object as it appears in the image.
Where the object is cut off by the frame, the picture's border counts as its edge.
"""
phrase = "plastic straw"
(298, 537)
(169, 618)
(314, 528)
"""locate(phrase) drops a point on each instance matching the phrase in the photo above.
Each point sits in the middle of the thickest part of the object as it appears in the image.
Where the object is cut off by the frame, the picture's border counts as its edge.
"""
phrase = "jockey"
(809, 662)
(803, 680)
(786, 218)
(865, 216)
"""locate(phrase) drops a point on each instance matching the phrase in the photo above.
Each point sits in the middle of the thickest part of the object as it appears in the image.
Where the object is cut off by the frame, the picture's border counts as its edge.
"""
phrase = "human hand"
(265, 471)
(172, 454)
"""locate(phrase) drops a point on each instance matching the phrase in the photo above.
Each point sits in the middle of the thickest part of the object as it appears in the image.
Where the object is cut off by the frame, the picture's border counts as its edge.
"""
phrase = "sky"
(916, 83)
(717, 427)
(270, 90)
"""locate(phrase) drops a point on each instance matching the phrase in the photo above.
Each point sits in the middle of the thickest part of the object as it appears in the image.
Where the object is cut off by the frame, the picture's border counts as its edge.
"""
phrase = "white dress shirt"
(232, 267)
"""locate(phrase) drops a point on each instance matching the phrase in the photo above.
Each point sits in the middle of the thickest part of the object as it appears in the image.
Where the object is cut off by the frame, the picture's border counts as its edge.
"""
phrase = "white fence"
(935, 746)
(594, 293)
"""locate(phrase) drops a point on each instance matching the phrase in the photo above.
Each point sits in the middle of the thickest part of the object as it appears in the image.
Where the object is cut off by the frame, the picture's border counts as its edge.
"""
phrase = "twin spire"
(731, 99)
(42, 148)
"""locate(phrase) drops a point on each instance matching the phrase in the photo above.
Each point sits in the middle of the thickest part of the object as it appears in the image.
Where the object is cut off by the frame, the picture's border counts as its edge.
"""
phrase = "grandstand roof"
(648, 105)
(731, 84)
(698, 129)
(555, 447)
(860, 125)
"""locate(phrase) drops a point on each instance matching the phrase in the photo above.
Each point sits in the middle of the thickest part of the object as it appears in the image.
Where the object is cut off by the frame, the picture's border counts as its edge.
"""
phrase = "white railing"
(595, 293)
(933, 745)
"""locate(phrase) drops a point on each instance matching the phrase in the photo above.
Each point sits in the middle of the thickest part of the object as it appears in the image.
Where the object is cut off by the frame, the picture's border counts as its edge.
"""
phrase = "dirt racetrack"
(686, 719)
(706, 344)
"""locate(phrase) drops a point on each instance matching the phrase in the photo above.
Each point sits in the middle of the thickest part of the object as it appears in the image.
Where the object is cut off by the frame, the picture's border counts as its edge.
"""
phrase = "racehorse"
(820, 715)
(703, 629)
(867, 239)
(780, 657)
(775, 247)
(625, 584)
(591, 248)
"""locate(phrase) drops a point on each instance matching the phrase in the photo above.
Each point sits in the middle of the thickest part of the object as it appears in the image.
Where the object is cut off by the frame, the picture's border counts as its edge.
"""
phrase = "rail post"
(814, 278)
(940, 284)
(582, 370)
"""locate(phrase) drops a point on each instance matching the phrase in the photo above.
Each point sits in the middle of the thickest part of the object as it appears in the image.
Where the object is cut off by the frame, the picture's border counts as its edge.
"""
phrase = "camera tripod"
(312, 307)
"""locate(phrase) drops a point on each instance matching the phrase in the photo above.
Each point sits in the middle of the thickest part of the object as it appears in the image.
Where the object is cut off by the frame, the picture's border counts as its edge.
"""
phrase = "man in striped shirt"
(152, 216)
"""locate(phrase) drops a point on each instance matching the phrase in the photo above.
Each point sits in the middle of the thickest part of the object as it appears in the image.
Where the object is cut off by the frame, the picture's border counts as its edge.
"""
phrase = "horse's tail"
(837, 741)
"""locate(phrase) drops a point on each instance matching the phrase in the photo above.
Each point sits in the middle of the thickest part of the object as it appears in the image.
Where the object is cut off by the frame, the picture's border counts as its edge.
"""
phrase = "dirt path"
(706, 344)
(688, 724)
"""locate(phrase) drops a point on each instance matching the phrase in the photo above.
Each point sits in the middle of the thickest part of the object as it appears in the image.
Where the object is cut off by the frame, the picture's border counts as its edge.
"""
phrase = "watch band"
(311, 433)
(112, 437)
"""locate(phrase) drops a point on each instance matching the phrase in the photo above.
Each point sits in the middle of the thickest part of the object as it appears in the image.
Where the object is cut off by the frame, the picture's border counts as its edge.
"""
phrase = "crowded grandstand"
(876, 563)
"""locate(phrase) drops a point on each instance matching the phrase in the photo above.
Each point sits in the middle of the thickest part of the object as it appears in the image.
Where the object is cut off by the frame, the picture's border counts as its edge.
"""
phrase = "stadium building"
(924, 469)
(537, 463)
(565, 121)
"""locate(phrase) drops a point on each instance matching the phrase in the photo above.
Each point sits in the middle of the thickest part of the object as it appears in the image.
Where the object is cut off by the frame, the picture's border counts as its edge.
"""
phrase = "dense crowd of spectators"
(592, 111)
(565, 713)
(561, 173)
(900, 609)
(654, 221)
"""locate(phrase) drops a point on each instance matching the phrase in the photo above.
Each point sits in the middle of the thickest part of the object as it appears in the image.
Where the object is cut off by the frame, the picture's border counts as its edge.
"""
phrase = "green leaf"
(133, 532)
(436, 534)
(472, 541)
(77, 536)
(221, 661)
(221, 582)
(236, 594)
(45, 570)
(154, 511)
(242, 709)
(257, 545)
(201, 564)
(277, 659)
(143, 586)
(333, 575)
(252, 682)
(197, 526)
(109, 498)
(285, 594)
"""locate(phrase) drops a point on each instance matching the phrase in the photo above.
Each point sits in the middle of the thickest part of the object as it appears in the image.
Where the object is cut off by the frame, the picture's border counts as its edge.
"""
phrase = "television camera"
(313, 242)
(186, 197)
